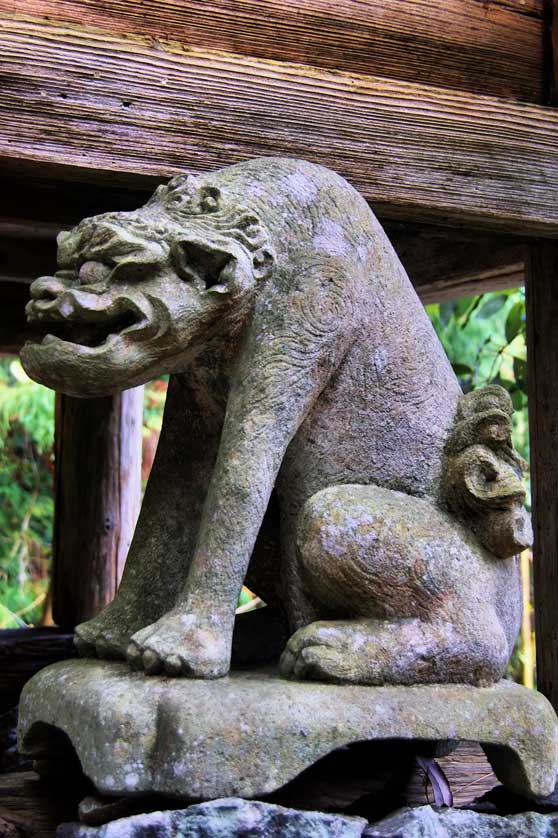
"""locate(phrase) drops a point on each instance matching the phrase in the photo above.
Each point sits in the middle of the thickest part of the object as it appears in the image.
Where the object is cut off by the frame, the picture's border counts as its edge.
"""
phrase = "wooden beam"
(448, 264)
(492, 48)
(23, 652)
(30, 806)
(75, 101)
(14, 329)
(542, 364)
(541, 306)
(97, 498)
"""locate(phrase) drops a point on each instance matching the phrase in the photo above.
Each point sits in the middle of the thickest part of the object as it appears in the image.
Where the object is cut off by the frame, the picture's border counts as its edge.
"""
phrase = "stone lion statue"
(315, 441)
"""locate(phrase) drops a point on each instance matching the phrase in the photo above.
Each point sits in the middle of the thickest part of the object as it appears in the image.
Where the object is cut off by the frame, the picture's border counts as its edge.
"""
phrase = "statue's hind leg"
(407, 596)
(376, 652)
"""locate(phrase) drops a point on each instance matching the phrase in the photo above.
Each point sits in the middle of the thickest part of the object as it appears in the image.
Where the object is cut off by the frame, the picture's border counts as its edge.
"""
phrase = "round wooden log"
(97, 490)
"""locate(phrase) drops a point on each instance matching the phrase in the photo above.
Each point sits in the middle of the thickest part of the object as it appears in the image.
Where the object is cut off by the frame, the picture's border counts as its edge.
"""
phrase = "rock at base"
(425, 822)
(231, 818)
(235, 818)
(250, 733)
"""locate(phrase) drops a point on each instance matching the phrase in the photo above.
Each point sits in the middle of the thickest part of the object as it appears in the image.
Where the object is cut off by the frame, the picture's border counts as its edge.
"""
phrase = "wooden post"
(97, 499)
(542, 359)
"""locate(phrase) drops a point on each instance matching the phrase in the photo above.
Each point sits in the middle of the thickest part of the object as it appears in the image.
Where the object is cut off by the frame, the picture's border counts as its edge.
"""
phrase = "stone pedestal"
(250, 733)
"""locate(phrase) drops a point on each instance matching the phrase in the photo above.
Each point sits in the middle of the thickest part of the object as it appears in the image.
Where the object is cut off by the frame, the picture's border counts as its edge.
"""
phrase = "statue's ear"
(489, 480)
(207, 267)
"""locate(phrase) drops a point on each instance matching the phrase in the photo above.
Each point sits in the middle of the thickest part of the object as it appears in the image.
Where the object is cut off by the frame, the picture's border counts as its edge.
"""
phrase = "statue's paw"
(181, 646)
(102, 638)
(84, 646)
(320, 652)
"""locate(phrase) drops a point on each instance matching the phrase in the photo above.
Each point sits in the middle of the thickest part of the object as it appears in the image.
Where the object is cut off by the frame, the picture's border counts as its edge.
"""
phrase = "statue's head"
(482, 480)
(138, 292)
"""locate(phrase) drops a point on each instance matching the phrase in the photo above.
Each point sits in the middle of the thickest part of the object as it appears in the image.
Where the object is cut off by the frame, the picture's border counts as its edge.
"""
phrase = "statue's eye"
(202, 265)
(93, 273)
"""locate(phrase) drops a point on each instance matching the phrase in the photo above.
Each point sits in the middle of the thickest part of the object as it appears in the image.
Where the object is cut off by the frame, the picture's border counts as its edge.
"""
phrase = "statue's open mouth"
(73, 319)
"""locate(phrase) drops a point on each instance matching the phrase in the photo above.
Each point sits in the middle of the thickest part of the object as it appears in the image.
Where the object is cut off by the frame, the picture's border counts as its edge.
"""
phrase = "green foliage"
(484, 338)
(27, 404)
(154, 405)
(26, 501)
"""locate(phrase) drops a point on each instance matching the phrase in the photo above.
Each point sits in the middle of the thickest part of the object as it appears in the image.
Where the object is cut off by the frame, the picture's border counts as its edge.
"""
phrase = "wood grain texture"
(103, 104)
(483, 46)
(468, 773)
(448, 264)
(23, 652)
(550, 53)
(542, 366)
(97, 496)
(33, 808)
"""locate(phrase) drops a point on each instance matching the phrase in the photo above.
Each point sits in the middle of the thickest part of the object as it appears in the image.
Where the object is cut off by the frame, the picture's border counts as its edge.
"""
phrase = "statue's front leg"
(165, 536)
(194, 638)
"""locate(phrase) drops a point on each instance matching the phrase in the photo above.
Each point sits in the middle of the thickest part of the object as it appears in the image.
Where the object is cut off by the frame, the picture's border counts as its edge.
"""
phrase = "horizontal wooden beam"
(493, 48)
(447, 264)
(25, 651)
(74, 101)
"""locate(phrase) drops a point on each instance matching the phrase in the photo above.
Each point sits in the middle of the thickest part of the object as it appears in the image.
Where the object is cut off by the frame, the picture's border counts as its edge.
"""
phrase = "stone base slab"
(250, 733)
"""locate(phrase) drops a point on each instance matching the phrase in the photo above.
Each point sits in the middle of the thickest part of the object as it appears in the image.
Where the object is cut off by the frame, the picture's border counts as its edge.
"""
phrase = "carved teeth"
(66, 308)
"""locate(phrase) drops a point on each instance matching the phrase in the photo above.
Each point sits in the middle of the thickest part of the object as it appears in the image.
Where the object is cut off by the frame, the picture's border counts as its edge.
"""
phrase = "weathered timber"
(14, 329)
(468, 773)
(551, 53)
(493, 48)
(23, 652)
(97, 498)
(33, 807)
(447, 264)
(542, 359)
(78, 101)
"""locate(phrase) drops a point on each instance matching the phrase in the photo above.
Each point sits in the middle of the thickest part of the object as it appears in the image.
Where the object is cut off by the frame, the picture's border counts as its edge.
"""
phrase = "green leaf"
(518, 399)
(519, 370)
(519, 350)
(462, 369)
(244, 598)
(514, 320)
(446, 311)
(504, 382)
(491, 306)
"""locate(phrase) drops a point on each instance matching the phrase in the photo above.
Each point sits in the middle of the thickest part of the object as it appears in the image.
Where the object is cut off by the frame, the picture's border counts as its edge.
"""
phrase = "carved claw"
(316, 652)
(84, 648)
(180, 645)
(106, 648)
(173, 666)
(134, 657)
(152, 663)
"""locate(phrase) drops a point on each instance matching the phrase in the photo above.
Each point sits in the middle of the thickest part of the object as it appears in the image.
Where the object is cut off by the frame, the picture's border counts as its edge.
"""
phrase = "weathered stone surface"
(235, 818)
(248, 734)
(425, 822)
(229, 818)
(302, 366)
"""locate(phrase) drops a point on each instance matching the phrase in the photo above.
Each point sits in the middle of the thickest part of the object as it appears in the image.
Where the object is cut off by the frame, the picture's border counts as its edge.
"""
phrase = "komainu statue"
(315, 442)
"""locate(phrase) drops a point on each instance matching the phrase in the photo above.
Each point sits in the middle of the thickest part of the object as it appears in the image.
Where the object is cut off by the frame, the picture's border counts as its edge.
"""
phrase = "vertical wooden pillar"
(97, 499)
(542, 359)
